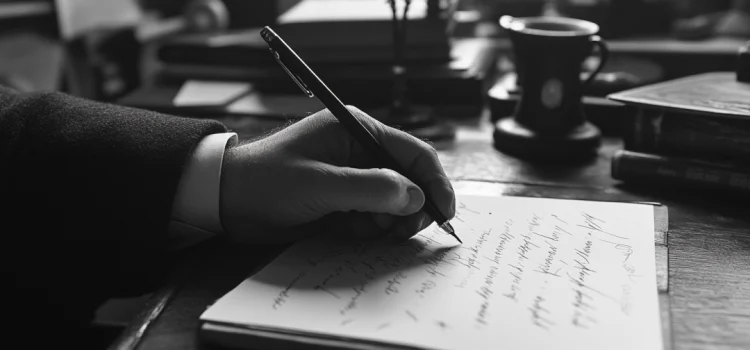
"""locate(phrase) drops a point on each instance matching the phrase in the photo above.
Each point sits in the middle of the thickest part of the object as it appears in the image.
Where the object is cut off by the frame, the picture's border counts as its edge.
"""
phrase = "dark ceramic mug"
(549, 55)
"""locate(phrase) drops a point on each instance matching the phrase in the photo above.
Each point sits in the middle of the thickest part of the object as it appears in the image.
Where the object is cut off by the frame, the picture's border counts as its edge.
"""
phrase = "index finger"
(418, 158)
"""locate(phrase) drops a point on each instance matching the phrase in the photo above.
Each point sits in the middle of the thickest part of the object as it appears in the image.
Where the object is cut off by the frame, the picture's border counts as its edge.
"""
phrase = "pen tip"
(448, 228)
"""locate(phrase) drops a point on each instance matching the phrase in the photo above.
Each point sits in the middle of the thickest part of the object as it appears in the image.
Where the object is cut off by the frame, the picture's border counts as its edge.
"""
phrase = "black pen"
(309, 82)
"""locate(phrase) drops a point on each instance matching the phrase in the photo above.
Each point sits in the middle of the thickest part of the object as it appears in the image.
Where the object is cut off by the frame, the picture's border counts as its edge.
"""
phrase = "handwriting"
(352, 304)
(534, 223)
(433, 261)
(384, 325)
(322, 285)
(470, 261)
(283, 295)
(540, 314)
(556, 217)
(485, 291)
(582, 300)
(392, 284)
(442, 325)
(593, 223)
(505, 237)
(425, 287)
(515, 284)
(546, 265)
(626, 251)
(585, 253)
(524, 249)
(557, 230)
(539, 267)
(462, 207)
(411, 315)
(517, 270)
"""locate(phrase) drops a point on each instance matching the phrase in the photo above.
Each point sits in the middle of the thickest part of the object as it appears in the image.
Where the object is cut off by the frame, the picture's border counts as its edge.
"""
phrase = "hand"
(313, 176)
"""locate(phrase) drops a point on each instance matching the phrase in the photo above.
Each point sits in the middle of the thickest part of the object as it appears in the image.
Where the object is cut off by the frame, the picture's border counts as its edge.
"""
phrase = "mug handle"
(603, 57)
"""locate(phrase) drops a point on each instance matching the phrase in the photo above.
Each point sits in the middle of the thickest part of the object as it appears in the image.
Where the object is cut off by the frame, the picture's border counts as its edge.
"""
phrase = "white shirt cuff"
(195, 210)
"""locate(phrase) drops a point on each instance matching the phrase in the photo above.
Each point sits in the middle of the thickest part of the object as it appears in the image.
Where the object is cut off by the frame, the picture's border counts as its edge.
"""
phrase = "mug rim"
(519, 25)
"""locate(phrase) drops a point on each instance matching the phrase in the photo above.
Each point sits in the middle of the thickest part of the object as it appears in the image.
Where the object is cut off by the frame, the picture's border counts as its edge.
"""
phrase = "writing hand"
(314, 175)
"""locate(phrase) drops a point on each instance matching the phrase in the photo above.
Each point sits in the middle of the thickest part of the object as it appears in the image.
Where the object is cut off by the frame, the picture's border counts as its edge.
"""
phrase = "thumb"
(371, 190)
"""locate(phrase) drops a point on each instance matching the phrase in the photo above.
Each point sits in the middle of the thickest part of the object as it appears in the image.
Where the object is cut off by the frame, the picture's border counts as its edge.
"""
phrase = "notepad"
(533, 273)
(209, 93)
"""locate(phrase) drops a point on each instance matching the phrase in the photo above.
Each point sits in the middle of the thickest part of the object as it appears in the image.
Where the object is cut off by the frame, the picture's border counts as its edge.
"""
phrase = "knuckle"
(322, 115)
(369, 121)
(431, 151)
(354, 109)
(428, 152)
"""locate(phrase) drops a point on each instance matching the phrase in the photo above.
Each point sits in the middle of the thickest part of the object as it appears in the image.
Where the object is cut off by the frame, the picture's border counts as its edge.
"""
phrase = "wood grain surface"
(709, 247)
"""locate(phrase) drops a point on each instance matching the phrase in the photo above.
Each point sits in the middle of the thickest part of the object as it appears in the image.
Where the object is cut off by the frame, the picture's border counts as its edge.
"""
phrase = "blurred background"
(203, 58)
(106, 49)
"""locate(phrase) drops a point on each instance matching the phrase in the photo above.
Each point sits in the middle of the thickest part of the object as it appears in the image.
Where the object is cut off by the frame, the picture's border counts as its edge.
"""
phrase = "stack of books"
(345, 31)
(692, 132)
(324, 32)
(349, 44)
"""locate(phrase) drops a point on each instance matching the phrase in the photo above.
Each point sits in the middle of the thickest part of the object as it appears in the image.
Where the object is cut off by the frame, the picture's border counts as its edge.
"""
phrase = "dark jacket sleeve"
(86, 190)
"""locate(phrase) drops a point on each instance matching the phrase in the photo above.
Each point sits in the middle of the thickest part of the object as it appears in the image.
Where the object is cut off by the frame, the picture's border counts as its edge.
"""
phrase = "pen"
(309, 82)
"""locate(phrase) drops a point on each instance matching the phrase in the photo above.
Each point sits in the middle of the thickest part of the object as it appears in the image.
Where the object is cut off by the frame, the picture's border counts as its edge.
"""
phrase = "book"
(331, 31)
(717, 94)
(211, 99)
(242, 47)
(460, 81)
(680, 172)
(688, 135)
(245, 48)
(705, 116)
(366, 24)
(533, 273)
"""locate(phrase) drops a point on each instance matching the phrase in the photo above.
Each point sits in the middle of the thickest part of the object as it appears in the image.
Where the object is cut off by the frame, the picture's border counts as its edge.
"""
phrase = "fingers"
(407, 227)
(366, 190)
(355, 227)
(418, 158)
(364, 226)
(321, 137)
(384, 221)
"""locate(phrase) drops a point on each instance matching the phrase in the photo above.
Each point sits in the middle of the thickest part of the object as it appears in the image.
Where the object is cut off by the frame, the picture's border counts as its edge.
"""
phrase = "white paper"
(532, 274)
(209, 93)
(78, 17)
(347, 10)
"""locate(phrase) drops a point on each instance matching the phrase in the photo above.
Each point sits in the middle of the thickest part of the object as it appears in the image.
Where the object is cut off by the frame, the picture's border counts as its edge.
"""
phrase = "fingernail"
(416, 200)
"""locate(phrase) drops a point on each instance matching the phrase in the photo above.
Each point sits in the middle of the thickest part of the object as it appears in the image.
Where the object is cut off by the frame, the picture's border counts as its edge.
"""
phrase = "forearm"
(88, 190)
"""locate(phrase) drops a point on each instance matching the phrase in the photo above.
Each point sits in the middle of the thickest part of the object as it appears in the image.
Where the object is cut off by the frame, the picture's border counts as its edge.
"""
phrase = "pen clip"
(296, 79)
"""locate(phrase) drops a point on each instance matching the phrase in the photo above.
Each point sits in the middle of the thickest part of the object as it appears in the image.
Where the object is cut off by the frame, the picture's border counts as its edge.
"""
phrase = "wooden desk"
(709, 249)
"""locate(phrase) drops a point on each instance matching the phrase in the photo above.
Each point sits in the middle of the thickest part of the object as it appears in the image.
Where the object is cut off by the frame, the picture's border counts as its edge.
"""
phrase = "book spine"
(689, 135)
(652, 169)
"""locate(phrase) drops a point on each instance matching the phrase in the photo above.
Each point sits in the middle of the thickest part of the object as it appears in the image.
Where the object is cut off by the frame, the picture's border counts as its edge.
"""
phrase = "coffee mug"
(549, 55)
